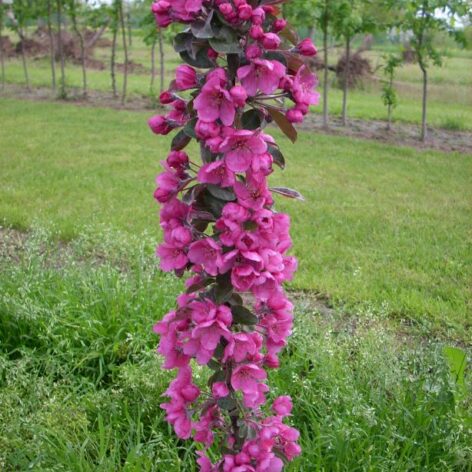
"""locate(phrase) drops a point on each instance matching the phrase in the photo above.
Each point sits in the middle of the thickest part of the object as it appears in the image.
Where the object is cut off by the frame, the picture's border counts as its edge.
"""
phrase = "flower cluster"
(219, 224)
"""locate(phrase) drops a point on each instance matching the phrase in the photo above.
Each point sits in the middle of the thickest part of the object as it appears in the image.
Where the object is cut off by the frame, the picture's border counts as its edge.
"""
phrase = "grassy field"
(383, 229)
(384, 233)
(450, 97)
(80, 384)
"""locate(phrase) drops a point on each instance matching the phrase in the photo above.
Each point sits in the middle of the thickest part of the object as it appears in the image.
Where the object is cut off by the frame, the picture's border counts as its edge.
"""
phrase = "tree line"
(324, 20)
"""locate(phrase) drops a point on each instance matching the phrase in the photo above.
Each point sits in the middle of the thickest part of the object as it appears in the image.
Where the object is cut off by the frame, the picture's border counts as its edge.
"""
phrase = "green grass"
(384, 230)
(450, 86)
(80, 384)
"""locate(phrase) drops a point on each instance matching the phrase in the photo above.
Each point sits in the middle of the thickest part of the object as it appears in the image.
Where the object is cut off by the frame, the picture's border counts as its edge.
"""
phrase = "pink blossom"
(261, 74)
(241, 148)
(306, 48)
(253, 195)
(207, 253)
(216, 173)
(303, 87)
(271, 41)
(242, 346)
(246, 378)
(239, 95)
(185, 77)
(219, 390)
(278, 25)
(215, 102)
(171, 257)
(282, 405)
(294, 116)
(160, 125)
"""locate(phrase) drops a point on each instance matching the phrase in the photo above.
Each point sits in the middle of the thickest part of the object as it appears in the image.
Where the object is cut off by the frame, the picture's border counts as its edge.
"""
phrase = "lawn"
(383, 235)
(80, 384)
(450, 98)
(383, 229)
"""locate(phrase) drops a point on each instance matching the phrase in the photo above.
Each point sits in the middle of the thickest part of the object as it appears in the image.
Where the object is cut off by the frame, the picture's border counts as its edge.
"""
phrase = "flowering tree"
(219, 223)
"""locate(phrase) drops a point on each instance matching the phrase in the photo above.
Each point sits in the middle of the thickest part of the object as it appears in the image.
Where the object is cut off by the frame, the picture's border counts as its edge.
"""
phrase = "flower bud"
(278, 25)
(159, 125)
(166, 97)
(256, 32)
(253, 51)
(226, 9)
(258, 16)
(185, 77)
(245, 12)
(306, 48)
(212, 54)
(294, 116)
(206, 129)
(239, 95)
(271, 41)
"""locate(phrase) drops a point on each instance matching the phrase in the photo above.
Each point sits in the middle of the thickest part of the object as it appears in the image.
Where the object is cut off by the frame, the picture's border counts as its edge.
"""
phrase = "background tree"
(3, 11)
(74, 10)
(52, 49)
(316, 15)
(60, 47)
(21, 14)
(424, 19)
(152, 37)
(121, 15)
(114, 25)
(350, 17)
(389, 95)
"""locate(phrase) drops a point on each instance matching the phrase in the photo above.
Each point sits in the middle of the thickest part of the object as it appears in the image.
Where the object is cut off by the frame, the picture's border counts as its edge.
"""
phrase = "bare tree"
(60, 46)
(125, 50)
(2, 59)
(114, 29)
(52, 50)
(72, 4)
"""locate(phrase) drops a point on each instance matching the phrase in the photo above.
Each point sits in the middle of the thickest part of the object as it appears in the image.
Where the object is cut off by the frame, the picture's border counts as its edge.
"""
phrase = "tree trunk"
(2, 59)
(346, 81)
(52, 51)
(97, 36)
(82, 51)
(161, 60)
(325, 76)
(23, 58)
(389, 117)
(125, 49)
(153, 66)
(128, 24)
(62, 89)
(113, 61)
(424, 131)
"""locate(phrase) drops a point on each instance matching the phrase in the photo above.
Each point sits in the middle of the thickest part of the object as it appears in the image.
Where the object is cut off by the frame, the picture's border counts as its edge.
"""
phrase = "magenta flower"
(245, 378)
(215, 102)
(282, 405)
(306, 47)
(185, 77)
(216, 173)
(261, 74)
(253, 195)
(160, 125)
(220, 390)
(207, 253)
(303, 87)
(241, 147)
(219, 225)
(171, 257)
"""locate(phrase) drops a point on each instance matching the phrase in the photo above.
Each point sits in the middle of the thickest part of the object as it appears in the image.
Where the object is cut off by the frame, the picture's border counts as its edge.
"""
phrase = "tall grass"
(80, 384)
